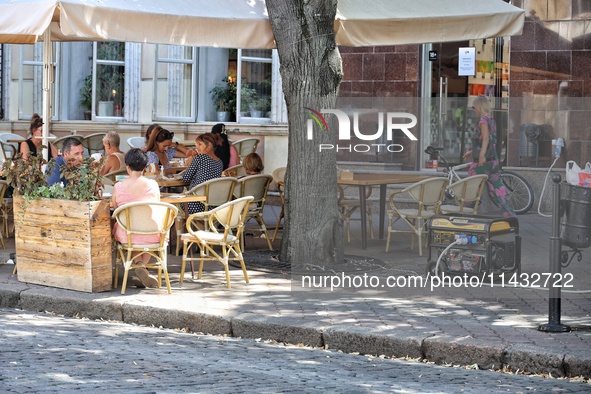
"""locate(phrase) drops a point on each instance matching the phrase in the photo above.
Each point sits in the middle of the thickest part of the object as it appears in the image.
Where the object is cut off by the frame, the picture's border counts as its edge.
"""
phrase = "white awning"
(387, 22)
(245, 24)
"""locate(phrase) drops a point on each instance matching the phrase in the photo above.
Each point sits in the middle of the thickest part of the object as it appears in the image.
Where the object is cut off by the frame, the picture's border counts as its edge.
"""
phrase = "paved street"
(47, 353)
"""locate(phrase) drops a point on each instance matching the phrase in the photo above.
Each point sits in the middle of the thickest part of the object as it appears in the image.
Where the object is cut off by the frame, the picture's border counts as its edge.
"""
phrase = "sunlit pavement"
(494, 326)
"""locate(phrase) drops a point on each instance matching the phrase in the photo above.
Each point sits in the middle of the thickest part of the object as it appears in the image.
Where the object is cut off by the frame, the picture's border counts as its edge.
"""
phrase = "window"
(2, 81)
(174, 87)
(30, 80)
(109, 78)
(254, 88)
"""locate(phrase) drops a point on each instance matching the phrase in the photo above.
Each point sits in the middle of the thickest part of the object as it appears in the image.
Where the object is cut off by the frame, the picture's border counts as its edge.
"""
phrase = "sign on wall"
(467, 61)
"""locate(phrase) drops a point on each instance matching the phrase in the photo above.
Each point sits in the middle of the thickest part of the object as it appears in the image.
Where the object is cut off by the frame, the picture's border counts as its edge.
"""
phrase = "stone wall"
(550, 81)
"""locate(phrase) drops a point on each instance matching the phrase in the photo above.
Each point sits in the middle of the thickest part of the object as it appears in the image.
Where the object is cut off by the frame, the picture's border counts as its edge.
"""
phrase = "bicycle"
(520, 195)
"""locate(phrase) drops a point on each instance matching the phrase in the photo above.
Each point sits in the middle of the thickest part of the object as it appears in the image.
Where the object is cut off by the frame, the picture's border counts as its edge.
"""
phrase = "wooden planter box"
(64, 244)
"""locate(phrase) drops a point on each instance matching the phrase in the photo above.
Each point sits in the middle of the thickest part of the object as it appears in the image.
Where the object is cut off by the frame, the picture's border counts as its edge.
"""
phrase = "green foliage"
(28, 179)
(224, 95)
(248, 96)
(263, 104)
(26, 176)
(86, 93)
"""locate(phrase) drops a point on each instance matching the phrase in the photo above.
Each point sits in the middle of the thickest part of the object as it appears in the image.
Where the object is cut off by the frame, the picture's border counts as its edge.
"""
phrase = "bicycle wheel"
(520, 195)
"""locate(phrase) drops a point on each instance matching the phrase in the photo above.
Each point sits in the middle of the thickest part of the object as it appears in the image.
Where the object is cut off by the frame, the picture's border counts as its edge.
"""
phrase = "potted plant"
(224, 98)
(248, 96)
(86, 97)
(62, 233)
(261, 106)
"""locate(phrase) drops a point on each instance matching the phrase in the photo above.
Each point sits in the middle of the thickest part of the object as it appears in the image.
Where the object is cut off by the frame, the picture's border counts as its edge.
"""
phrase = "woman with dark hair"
(136, 187)
(226, 151)
(161, 148)
(205, 166)
(148, 132)
(31, 145)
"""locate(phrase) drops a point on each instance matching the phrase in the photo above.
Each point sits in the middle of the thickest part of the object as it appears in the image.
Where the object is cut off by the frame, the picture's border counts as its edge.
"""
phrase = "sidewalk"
(491, 327)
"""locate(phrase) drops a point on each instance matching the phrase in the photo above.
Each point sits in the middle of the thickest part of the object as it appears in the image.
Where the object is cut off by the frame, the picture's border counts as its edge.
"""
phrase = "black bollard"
(554, 324)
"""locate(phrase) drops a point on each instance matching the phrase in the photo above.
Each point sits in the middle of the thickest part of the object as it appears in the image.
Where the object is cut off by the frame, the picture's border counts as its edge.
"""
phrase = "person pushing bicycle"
(484, 156)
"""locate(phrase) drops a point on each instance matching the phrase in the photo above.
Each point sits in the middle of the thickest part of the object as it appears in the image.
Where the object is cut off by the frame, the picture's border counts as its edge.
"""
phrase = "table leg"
(362, 212)
(382, 208)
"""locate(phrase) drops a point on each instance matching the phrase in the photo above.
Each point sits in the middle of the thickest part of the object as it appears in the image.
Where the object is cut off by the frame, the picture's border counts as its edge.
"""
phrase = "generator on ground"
(482, 244)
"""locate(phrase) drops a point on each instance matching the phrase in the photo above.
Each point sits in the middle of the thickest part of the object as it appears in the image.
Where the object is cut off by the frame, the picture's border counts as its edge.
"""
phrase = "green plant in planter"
(29, 180)
(263, 104)
(224, 96)
(86, 93)
(248, 96)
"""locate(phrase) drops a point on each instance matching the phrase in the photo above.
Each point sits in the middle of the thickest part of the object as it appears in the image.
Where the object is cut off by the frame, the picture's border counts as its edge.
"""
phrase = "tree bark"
(311, 71)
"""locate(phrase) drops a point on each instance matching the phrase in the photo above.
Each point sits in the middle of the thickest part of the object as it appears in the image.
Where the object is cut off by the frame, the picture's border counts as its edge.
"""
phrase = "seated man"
(115, 157)
(72, 150)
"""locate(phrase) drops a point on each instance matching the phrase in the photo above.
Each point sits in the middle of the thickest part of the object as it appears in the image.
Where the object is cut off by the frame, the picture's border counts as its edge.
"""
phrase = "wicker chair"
(467, 190)
(144, 218)
(427, 196)
(226, 224)
(256, 186)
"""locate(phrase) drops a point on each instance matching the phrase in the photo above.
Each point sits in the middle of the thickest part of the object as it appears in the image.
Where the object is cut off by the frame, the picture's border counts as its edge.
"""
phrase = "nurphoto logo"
(395, 122)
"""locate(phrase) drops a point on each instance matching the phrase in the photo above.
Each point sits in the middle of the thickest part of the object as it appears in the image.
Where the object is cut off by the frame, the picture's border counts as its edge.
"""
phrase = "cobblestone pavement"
(48, 353)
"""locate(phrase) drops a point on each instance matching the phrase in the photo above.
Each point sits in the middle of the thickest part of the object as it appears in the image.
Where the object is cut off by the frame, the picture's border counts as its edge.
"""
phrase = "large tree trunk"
(311, 71)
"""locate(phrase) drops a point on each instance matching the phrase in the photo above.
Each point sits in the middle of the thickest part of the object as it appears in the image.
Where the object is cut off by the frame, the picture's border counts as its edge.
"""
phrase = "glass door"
(448, 119)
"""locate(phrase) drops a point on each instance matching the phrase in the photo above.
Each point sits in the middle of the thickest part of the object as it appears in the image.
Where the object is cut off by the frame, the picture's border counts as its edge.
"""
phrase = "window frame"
(253, 59)
(194, 81)
(22, 115)
(95, 63)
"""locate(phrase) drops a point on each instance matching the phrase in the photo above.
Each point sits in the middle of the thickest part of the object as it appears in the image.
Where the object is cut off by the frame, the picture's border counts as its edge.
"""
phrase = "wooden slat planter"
(63, 243)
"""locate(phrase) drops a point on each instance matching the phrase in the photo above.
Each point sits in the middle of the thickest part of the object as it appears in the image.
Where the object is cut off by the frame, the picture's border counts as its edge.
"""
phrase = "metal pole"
(47, 76)
(554, 324)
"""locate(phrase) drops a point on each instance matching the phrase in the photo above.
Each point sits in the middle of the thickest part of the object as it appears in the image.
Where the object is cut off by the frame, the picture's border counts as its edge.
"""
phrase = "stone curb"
(282, 329)
(346, 338)
(389, 342)
(444, 349)
(173, 319)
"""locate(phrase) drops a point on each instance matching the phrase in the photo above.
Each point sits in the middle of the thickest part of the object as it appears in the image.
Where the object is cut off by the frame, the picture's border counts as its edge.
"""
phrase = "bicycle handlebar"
(436, 151)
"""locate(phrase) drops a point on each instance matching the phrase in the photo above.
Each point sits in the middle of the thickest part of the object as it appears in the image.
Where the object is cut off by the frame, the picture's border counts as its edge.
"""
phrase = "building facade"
(541, 78)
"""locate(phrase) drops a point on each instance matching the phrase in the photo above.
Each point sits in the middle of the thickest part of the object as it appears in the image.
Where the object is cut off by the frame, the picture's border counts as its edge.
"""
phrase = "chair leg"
(389, 232)
(227, 270)
(261, 223)
(159, 277)
(224, 262)
(116, 277)
(278, 223)
(348, 226)
(124, 282)
(183, 263)
(178, 235)
(370, 222)
(14, 270)
(412, 235)
(167, 281)
(201, 260)
(420, 234)
(242, 265)
(164, 269)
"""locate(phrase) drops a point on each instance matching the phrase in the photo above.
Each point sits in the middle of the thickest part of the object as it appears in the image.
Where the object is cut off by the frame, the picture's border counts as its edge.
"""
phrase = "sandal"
(145, 277)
